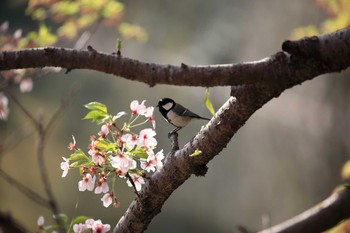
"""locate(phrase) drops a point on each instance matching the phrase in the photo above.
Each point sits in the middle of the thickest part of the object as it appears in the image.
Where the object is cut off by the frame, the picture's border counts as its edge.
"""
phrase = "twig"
(134, 186)
(25, 190)
(42, 132)
(24, 110)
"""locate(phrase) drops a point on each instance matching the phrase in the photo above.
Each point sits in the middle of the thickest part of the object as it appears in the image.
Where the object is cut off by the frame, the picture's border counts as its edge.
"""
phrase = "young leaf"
(208, 103)
(196, 153)
(96, 116)
(96, 106)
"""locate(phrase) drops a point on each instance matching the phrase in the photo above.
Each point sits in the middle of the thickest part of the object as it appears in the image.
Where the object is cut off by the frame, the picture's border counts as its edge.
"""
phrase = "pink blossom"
(65, 167)
(4, 110)
(122, 162)
(107, 199)
(40, 221)
(102, 186)
(138, 181)
(88, 182)
(72, 145)
(153, 161)
(146, 138)
(89, 222)
(79, 228)
(104, 131)
(99, 227)
(97, 157)
(130, 140)
(116, 203)
(149, 115)
(26, 85)
(137, 108)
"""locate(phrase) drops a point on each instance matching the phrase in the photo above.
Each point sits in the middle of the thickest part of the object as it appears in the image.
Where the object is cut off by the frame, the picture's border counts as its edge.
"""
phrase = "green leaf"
(96, 106)
(104, 145)
(139, 152)
(78, 155)
(96, 116)
(196, 153)
(208, 103)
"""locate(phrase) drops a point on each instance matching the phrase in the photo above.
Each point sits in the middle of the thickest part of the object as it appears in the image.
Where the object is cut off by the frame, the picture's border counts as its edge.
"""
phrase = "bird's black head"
(166, 102)
(165, 105)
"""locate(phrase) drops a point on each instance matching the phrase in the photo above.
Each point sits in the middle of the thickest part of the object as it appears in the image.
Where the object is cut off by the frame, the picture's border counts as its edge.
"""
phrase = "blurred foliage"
(338, 12)
(68, 20)
(345, 171)
(343, 227)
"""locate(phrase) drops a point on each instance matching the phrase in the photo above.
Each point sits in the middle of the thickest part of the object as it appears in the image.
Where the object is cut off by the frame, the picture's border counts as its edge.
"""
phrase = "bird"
(176, 114)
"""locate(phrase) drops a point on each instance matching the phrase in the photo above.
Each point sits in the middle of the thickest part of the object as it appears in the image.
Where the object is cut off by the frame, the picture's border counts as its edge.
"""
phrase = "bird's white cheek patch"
(167, 106)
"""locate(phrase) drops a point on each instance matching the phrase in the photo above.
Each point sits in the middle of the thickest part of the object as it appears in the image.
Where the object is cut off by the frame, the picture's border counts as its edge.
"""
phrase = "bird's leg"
(174, 131)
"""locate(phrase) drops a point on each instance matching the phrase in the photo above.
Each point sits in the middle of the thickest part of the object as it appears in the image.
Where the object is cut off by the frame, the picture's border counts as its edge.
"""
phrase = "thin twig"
(42, 132)
(134, 186)
(24, 110)
(25, 190)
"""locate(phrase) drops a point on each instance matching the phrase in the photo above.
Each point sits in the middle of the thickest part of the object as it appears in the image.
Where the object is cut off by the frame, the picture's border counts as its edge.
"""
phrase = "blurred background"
(285, 159)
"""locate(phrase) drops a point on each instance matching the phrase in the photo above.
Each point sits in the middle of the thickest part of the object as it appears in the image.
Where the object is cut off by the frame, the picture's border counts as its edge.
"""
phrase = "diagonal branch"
(320, 218)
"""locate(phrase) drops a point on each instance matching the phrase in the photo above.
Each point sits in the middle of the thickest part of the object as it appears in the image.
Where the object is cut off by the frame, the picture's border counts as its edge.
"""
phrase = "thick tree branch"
(320, 218)
(329, 52)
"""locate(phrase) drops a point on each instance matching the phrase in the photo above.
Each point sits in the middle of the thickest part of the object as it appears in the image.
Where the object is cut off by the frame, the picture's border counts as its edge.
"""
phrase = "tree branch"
(319, 218)
(330, 53)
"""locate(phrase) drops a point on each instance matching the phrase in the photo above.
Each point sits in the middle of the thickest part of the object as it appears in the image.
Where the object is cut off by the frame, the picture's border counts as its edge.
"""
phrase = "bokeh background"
(285, 159)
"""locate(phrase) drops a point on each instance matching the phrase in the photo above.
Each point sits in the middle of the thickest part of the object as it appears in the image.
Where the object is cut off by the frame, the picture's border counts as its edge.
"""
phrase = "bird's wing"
(188, 113)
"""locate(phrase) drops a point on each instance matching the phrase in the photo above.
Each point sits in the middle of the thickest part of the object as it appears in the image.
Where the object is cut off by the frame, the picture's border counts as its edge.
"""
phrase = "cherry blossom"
(99, 227)
(153, 161)
(149, 114)
(130, 140)
(146, 138)
(122, 162)
(102, 185)
(97, 157)
(95, 226)
(41, 221)
(138, 181)
(65, 167)
(72, 145)
(104, 131)
(26, 85)
(4, 110)
(88, 182)
(107, 199)
(79, 228)
(137, 108)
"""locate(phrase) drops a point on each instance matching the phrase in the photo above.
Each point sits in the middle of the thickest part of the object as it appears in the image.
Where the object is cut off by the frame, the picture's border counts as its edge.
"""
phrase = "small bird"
(176, 114)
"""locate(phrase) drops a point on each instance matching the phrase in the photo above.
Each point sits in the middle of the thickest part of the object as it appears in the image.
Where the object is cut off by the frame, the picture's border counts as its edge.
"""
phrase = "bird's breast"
(176, 120)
